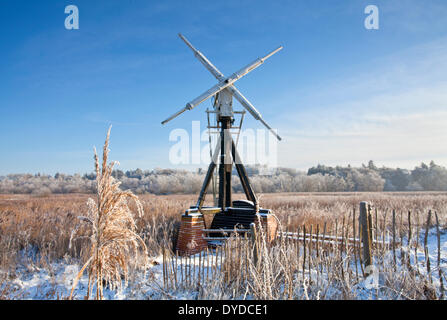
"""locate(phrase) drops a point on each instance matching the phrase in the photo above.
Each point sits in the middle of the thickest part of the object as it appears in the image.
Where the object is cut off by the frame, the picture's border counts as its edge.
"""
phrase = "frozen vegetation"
(321, 178)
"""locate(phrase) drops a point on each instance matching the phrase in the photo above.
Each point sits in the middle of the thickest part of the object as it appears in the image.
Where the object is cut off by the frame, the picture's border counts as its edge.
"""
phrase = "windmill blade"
(204, 96)
(226, 82)
(252, 110)
(250, 67)
(245, 103)
(271, 130)
(201, 57)
(208, 65)
(175, 115)
(235, 92)
(207, 94)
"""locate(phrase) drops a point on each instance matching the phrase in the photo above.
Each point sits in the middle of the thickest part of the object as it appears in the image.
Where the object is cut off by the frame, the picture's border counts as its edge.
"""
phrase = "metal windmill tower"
(228, 214)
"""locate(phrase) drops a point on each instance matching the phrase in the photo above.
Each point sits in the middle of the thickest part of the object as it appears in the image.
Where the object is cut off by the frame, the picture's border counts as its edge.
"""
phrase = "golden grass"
(115, 245)
(45, 224)
(36, 231)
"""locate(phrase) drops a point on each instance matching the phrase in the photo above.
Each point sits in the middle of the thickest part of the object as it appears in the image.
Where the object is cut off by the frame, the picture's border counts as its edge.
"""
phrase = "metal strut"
(226, 147)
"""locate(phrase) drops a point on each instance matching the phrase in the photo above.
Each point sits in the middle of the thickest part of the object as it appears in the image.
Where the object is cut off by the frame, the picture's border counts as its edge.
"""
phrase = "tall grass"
(308, 267)
(115, 246)
(36, 232)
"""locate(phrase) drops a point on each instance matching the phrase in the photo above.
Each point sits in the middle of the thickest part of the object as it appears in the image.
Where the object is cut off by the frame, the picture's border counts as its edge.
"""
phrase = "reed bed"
(35, 231)
(316, 262)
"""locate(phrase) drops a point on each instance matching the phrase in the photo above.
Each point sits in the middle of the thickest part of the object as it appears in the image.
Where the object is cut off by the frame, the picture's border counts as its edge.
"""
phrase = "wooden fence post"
(370, 224)
(254, 241)
(364, 222)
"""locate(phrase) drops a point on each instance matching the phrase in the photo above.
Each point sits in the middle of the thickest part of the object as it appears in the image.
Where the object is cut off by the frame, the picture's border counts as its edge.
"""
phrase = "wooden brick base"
(190, 238)
(269, 226)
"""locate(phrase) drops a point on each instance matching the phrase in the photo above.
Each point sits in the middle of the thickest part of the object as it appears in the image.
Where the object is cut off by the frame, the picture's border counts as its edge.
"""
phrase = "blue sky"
(337, 93)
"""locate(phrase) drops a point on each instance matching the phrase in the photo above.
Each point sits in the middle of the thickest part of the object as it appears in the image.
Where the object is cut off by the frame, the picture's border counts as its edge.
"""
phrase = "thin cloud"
(397, 115)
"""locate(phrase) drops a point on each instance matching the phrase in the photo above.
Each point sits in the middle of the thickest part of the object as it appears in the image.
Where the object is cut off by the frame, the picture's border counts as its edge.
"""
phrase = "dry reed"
(115, 244)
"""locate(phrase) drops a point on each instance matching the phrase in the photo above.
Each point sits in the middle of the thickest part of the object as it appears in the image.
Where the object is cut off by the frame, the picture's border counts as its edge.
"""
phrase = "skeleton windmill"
(228, 215)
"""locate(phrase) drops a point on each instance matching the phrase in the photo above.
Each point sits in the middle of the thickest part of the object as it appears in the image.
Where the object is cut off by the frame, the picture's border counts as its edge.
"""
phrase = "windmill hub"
(228, 215)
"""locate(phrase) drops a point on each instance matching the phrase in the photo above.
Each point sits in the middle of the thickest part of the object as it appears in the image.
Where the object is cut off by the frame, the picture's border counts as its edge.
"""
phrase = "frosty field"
(40, 254)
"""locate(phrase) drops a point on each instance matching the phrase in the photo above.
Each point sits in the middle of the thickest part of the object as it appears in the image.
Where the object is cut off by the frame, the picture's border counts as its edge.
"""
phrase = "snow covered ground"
(55, 281)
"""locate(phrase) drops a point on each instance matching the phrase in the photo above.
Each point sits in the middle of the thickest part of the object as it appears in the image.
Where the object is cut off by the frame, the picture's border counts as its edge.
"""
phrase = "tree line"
(321, 178)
